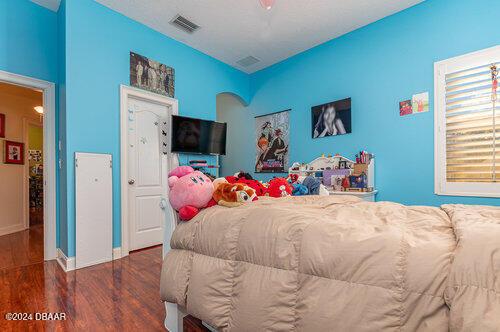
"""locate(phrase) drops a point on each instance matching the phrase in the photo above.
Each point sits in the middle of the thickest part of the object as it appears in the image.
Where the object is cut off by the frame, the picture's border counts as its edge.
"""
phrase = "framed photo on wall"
(272, 137)
(151, 75)
(14, 153)
(2, 125)
(331, 119)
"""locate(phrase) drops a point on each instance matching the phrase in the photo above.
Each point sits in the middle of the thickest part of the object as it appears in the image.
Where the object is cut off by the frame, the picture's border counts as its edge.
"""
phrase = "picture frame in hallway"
(331, 119)
(14, 153)
(2, 125)
(151, 75)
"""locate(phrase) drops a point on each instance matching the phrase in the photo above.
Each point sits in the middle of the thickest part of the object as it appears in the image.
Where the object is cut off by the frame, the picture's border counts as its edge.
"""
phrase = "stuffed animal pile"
(191, 191)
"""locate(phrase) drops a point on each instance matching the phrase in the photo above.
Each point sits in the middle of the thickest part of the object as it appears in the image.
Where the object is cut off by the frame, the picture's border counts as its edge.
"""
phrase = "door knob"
(131, 181)
(163, 204)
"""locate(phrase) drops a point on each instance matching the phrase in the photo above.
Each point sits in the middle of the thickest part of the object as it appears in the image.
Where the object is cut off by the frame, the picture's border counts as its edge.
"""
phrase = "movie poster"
(272, 135)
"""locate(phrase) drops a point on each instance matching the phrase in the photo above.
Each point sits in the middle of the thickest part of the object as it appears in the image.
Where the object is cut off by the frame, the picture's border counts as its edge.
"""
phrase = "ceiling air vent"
(248, 61)
(184, 24)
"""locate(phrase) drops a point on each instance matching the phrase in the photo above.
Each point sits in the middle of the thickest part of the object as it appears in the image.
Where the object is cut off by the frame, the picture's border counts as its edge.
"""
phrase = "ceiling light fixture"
(267, 4)
(39, 110)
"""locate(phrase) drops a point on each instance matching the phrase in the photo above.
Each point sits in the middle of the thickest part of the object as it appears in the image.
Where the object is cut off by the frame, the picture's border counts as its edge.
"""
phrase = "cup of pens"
(364, 157)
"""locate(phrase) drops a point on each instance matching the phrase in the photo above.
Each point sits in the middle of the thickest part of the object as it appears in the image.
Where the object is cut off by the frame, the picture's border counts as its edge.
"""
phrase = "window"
(467, 125)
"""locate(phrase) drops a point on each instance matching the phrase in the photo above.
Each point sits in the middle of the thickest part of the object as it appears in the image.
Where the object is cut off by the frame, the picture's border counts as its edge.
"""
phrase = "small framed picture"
(14, 153)
(405, 107)
(2, 125)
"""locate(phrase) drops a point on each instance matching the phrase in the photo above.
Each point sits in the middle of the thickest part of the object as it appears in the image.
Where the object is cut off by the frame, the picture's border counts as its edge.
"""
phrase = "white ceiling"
(50, 4)
(234, 29)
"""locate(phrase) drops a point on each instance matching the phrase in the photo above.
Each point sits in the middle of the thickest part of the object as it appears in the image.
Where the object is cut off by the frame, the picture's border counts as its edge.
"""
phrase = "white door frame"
(127, 92)
(49, 153)
(27, 122)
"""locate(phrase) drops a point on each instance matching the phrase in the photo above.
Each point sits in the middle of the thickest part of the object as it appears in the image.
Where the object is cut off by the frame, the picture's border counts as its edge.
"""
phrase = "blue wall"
(98, 42)
(29, 47)
(28, 39)
(377, 66)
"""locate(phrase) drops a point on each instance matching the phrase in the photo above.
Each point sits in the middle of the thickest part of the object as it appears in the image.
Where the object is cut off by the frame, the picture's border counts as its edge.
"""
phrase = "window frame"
(441, 68)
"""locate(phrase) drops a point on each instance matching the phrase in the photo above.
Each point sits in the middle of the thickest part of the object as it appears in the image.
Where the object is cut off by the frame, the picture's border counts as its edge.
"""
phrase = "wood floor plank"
(5, 253)
(21, 248)
(122, 295)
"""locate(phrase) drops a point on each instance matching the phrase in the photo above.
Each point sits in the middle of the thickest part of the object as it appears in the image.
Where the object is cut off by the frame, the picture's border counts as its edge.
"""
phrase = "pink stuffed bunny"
(190, 191)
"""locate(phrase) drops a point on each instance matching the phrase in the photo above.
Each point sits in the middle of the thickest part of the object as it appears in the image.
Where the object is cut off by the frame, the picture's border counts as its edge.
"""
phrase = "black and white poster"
(331, 119)
(151, 75)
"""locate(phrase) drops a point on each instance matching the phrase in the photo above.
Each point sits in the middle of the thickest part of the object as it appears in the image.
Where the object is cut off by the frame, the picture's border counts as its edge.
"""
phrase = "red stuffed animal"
(279, 187)
(245, 178)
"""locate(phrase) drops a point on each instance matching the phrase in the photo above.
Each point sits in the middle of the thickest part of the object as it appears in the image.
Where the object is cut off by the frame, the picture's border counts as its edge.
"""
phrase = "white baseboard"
(117, 253)
(66, 263)
(12, 229)
(69, 263)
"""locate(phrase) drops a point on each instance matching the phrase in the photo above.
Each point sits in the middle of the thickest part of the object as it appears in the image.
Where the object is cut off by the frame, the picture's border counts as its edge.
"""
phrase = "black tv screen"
(191, 135)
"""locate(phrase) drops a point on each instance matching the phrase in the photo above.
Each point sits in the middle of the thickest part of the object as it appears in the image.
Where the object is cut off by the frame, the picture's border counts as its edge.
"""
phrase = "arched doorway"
(232, 109)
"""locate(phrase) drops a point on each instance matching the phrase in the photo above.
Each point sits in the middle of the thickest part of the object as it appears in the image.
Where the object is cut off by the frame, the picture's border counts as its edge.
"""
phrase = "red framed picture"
(2, 125)
(14, 153)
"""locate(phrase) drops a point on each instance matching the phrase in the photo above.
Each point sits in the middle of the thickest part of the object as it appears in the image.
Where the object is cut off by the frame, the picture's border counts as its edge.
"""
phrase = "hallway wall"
(17, 104)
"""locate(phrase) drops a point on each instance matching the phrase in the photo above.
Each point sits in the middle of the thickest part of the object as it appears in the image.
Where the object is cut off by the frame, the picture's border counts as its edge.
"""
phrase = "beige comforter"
(473, 290)
(337, 264)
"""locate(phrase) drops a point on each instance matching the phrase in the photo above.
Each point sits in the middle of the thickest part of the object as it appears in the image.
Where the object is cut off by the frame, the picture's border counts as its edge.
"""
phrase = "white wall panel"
(94, 209)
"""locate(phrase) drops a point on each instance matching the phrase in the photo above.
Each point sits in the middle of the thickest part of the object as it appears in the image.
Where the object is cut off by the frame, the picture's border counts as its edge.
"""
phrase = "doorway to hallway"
(21, 170)
(15, 161)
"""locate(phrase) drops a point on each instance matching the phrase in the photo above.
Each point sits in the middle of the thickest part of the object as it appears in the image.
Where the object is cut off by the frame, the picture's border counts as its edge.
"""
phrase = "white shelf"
(365, 195)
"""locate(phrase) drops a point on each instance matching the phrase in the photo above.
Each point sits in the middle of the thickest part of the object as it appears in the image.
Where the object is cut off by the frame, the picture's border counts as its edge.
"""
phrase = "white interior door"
(148, 173)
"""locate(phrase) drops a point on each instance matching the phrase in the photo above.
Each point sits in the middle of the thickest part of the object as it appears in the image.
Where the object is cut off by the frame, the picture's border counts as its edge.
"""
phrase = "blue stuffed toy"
(299, 190)
(312, 184)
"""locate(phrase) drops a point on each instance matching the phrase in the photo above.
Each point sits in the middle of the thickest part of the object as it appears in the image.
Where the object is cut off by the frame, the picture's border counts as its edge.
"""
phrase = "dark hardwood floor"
(21, 248)
(122, 295)
(36, 216)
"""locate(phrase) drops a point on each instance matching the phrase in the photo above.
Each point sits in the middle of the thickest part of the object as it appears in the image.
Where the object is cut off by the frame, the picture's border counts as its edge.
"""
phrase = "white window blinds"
(472, 122)
(467, 125)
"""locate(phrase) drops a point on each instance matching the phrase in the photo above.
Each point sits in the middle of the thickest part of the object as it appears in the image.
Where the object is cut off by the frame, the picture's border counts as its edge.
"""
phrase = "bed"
(335, 263)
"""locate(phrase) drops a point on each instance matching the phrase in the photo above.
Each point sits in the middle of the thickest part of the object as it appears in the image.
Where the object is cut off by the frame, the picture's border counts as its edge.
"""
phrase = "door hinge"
(111, 163)
(76, 162)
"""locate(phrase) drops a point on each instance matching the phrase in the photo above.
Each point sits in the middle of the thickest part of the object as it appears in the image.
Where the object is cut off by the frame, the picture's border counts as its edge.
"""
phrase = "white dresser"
(366, 196)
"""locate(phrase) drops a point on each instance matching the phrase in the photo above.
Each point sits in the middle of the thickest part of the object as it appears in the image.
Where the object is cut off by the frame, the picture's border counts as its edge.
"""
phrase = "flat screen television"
(191, 135)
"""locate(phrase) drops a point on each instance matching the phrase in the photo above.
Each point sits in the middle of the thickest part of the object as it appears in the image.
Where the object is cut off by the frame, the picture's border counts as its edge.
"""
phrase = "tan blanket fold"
(313, 264)
(473, 289)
